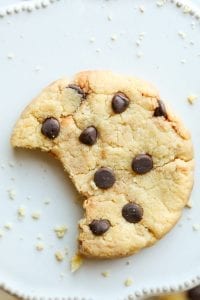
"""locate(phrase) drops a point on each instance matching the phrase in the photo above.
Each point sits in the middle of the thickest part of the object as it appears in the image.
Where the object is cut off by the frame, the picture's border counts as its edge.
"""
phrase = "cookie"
(125, 151)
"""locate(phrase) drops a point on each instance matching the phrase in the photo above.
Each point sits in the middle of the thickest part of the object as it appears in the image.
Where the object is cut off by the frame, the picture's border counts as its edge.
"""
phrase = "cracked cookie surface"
(125, 151)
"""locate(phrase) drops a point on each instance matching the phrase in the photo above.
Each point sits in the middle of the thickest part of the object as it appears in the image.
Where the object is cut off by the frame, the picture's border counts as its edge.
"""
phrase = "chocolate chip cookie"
(125, 151)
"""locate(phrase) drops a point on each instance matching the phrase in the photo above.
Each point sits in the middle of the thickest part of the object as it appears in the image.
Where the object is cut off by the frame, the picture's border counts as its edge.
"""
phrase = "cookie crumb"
(128, 282)
(36, 215)
(60, 231)
(182, 34)
(142, 8)
(47, 201)
(92, 40)
(1, 233)
(10, 56)
(11, 164)
(98, 50)
(8, 226)
(59, 256)
(189, 204)
(21, 212)
(183, 61)
(39, 237)
(76, 263)
(11, 194)
(139, 54)
(113, 37)
(141, 35)
(109, 18)
(62, 275)
(37, 68)
(128, 263)
(138, 43)
(39, 247)
(196, 227)
(105, 274)
(191, 99)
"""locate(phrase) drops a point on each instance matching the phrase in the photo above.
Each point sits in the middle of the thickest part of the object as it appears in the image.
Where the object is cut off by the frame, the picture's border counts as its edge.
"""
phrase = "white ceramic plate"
(39, 47)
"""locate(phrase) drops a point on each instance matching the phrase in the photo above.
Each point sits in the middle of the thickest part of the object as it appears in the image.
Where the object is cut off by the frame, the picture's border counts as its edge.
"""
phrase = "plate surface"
(39, 47)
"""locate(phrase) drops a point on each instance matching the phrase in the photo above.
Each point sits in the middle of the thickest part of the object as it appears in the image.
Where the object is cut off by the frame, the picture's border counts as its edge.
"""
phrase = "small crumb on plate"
(113, 37)
(39, 246)
(142, 8)
(196, 227)
(128, 282)
(36, 215)
(105, 274)
(182, 34)
(59, 255)
(191, 99)
(8, 226)
(11, 194)
(76, 262)
(10, 56)
(60, 231)
(21, 212)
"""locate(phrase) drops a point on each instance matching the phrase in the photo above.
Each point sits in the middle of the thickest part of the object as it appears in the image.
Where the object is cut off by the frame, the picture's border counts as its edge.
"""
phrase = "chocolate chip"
(99, 227)
(194, 294)
(142, 163)
(132, 212)
(79, 90)
(104, 178)
(88, 136)
(160, 111)
(119, 103)
(50, 128)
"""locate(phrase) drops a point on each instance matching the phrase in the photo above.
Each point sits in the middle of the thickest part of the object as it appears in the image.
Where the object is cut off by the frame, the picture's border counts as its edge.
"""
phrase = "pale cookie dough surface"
(162, 192)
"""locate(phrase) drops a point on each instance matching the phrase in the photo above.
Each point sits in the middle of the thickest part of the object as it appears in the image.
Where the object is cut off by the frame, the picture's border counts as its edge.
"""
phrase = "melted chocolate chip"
(194, 294)
(160, 111)
(132, 212)
(104, 178)
(142, 163)
(99, 227)
(119, 103)
(50, 128)
(88, 136)
(79, 90)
